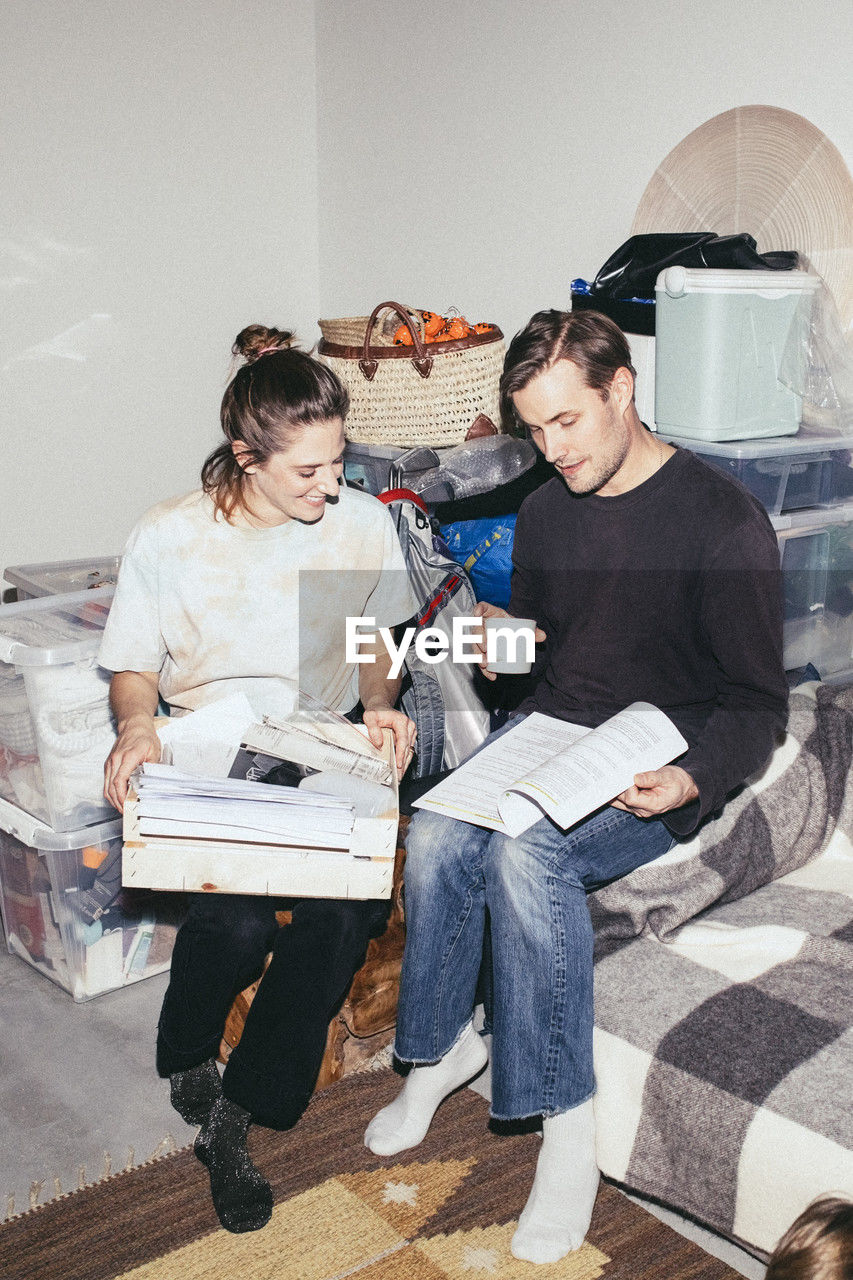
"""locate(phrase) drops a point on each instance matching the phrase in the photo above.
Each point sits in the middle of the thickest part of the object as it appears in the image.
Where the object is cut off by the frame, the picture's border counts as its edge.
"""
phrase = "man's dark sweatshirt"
(670, 594)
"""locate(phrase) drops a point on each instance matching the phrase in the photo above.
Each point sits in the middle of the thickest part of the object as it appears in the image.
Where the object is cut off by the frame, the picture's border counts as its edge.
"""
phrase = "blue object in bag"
(484, 548)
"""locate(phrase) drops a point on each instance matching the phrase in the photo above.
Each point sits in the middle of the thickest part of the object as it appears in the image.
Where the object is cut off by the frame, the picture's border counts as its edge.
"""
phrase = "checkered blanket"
(724, 996)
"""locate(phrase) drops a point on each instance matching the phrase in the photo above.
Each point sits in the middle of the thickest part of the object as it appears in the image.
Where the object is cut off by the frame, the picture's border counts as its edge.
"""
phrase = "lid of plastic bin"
(804, 441)
(675, 282)
(38, 835)
(53, 630)
(815, 518)
(64, 576)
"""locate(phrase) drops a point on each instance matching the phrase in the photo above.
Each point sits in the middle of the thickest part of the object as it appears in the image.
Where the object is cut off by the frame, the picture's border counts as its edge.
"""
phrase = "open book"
(550, 767)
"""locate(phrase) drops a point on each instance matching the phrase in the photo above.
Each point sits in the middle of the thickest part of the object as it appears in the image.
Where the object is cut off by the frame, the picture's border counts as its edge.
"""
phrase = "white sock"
(557, 1214)
(404, 1122)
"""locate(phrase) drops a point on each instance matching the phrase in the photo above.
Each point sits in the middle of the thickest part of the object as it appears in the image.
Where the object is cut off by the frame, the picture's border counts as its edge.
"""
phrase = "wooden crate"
(212, 866)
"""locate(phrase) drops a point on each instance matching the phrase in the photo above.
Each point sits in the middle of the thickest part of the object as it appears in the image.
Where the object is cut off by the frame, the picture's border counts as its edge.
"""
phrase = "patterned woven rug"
(445, 1211)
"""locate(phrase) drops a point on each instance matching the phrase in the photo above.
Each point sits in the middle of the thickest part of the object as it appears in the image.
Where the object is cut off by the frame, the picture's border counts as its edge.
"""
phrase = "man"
(653, 578)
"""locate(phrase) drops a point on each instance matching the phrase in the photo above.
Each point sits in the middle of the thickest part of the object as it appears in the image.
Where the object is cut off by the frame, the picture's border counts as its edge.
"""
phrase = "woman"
(224, 590)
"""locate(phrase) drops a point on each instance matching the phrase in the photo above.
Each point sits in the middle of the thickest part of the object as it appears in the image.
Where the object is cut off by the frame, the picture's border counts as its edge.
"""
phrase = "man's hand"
(405, 733)
(484, 610)
(657, 792)
(136, 743)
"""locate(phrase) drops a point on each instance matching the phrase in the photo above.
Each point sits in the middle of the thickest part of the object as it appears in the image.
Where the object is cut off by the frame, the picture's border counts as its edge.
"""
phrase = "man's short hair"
(589, 339)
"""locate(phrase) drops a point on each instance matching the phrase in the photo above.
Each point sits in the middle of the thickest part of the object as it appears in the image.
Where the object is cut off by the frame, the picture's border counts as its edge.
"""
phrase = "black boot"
(242, 1198)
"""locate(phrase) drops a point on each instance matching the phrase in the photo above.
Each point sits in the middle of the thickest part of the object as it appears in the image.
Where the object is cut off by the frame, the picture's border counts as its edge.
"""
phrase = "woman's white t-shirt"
(218, 608)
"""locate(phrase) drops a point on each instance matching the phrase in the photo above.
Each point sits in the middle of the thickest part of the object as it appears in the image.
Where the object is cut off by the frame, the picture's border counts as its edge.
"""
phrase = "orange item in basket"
(433, 324)
(482, 327)
(402, 338)
(458, 327)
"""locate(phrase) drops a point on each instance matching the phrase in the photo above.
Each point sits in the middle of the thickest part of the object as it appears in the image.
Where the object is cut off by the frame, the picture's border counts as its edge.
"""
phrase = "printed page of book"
(548, 766)
(473, 791)
(594, 770)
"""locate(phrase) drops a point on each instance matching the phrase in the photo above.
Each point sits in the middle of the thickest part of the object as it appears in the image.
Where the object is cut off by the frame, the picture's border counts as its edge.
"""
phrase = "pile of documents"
(172, 803)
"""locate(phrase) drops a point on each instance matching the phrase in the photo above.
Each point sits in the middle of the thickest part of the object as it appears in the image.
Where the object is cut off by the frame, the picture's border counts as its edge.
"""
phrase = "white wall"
(159, 192)
(484, 154)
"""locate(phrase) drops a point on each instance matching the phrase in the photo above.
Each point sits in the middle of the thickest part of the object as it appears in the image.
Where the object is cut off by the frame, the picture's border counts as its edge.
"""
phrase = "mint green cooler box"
(722, 339)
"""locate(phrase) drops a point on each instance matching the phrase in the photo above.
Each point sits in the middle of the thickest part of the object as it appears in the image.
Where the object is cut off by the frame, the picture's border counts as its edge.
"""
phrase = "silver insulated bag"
(440, 697)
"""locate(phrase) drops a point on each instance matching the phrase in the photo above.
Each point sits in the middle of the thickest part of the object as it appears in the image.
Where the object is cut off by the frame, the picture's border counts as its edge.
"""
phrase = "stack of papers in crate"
(171, 803)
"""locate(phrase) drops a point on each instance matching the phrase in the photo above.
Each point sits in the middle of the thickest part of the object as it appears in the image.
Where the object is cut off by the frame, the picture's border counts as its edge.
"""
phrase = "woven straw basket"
(415, 395)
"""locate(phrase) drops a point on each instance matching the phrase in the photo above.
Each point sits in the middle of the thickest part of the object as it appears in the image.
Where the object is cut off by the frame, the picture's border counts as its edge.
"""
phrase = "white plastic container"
(56, 728)
(785, 473)
(816, 551)
(64, 910)
(727, 351)
(60, 577)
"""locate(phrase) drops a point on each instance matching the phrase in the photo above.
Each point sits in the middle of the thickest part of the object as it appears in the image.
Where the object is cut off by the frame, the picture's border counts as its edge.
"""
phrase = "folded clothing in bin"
(56, 727)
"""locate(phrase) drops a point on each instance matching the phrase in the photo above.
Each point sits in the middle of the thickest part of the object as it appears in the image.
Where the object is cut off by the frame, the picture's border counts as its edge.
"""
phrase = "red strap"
(404, 495)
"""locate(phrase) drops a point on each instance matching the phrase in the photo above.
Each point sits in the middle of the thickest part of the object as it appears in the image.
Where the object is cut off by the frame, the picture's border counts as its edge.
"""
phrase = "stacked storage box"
(60, 842)
(63, 576)
(374, 467)
(806, 484)
(64, 910)
(732, 353)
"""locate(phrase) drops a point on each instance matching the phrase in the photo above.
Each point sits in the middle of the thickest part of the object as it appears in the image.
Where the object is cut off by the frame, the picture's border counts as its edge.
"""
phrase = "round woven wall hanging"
(770, 173)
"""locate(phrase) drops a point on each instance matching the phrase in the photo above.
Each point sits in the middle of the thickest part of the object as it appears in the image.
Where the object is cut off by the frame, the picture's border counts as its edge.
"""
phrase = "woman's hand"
(657, 792)
(405, 733)
(136, 743)
(484, 610)
(133, 698)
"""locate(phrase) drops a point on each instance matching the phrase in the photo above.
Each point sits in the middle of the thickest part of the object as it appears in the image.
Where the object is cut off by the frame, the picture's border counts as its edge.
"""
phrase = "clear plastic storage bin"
(727, 359)
(64, 910)
(816, 550)
(786, 473)
(366, 466)
(62, 576)
(56, 728)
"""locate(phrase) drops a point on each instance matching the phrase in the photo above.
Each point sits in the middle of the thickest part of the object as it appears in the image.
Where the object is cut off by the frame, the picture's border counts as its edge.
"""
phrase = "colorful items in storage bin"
(62, 576)
(64, 910)
(729, 360)
(816, 552)
(786, 473)
(56, 728)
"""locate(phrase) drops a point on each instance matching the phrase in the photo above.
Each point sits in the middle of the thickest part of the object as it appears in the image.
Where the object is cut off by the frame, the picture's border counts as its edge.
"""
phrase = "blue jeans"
(534, 888)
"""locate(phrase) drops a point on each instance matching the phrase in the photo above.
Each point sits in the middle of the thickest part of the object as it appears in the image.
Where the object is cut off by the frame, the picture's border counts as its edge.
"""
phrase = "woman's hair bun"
(257, 339)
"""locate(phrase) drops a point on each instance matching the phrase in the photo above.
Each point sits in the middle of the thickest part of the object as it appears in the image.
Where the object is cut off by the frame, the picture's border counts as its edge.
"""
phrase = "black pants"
(220, 949)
